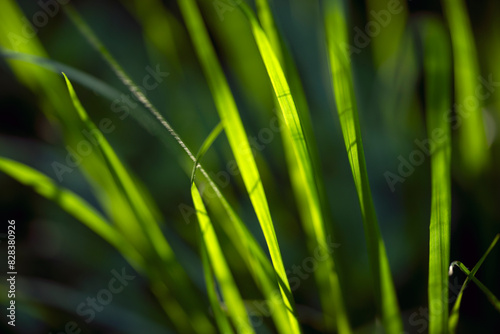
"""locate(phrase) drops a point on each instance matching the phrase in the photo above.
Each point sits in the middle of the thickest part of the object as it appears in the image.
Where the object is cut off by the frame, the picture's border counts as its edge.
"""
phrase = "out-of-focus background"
(61, 263)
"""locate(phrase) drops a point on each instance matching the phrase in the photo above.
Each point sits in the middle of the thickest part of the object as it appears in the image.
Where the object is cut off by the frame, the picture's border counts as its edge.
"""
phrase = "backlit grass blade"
(437, 71)
(262, 273)
(453, 321)
(234, 228)
(205, 146)
(134, 196)
(232, 298)
(469, 121)
(238, 140)
(491, 297)
(149, 225)
(219, 314)
(54, 102)
(327, 275)
(124, 77)
(82, 211)
(74, 205)
(336, 33)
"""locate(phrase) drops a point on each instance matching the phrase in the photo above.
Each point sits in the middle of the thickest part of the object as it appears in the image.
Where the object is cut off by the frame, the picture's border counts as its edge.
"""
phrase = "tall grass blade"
(385, 294)
(238, 141)
(453, 321)
(232, 297)
(148, 223)
(473, 146)
(327, 275)
(235, 228)
(263, 271)
(437, 70)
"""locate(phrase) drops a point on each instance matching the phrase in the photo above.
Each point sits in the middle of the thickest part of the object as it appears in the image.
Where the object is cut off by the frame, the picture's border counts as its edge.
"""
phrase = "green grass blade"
(149, 225)
(453, 321)
(123, 76)
(74, 205)
(205, 146)
(327, 275)
(219, 314)
(385, 294)
(85, 213)
(264, 272)
(491, 297)
(472, 141)
(232, 297)
(134, 196)
(238, 140)
(285, 58)
(437, 70)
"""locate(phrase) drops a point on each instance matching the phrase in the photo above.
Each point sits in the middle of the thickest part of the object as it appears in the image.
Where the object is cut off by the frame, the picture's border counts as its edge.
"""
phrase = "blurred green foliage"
(61, 262)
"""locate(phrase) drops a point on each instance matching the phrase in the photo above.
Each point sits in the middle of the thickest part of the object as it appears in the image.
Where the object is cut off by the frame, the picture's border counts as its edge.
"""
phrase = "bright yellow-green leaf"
(232, 297)
(238, 141)
(326, 272)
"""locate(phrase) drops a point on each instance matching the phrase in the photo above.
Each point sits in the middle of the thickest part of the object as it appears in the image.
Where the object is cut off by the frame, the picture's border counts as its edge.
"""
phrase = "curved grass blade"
(385, 294)
(139, 207)
(134, 196)
(437, 70)
(473, 146)
(491, 297)
(263, 272)
(85, 213)
(232, 297)
(326, 272)
(205, 146)
(238, 141)
(453, 321)
(235, 228)
(74, 205)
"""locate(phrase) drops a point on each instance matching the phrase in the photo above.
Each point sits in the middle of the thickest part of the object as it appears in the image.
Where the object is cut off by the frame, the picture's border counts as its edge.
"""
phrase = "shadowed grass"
(491, 297)
(336, 32)
(473, 147)
(74, 205)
